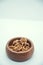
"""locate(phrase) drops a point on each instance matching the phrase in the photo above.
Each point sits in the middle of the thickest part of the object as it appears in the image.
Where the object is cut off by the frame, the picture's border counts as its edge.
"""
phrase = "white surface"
(33, 30)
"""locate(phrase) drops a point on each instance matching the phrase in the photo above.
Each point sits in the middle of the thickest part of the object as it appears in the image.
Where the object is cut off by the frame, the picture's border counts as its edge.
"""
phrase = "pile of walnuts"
(20, 45)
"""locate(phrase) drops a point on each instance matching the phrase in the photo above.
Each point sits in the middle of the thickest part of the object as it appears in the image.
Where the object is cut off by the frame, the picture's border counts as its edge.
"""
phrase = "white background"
(21, 18)
(21, 9)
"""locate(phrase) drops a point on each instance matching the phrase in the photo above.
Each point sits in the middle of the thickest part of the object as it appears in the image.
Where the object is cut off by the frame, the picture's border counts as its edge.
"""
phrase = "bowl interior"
(11, 41)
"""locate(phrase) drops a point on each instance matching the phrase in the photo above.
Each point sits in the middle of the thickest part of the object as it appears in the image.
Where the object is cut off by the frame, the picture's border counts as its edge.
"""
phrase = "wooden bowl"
(19, 56)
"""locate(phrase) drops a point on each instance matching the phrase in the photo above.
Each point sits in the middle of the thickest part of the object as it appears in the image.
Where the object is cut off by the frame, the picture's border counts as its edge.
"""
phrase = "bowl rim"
(7, 46)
